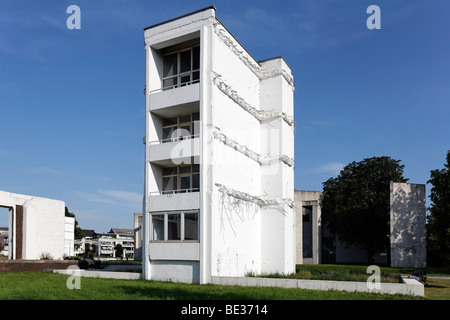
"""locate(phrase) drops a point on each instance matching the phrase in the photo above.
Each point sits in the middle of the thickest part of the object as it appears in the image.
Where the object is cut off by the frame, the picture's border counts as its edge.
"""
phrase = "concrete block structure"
(37, 226)
(408, 233)
(219, 182)
(308, 227)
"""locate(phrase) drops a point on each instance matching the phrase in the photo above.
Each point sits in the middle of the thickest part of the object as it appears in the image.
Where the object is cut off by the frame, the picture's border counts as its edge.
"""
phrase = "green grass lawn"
(49, 286)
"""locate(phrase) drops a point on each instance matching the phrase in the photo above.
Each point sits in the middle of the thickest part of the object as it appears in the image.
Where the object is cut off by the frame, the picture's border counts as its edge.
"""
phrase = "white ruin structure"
(408, 232)
(37, 227)
(219, 180)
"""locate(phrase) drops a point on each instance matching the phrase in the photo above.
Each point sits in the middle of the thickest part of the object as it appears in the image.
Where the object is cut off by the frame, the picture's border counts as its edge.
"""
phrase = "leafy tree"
(119, 250)
(356, 204)
(438, 226)
(78, 233)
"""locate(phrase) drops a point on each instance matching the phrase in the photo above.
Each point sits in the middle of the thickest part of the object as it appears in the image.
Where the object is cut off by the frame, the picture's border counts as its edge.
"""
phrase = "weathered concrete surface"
(408, 218)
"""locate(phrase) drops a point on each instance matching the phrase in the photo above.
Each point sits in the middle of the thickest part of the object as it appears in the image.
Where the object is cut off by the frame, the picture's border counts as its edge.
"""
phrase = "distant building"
(104, 244)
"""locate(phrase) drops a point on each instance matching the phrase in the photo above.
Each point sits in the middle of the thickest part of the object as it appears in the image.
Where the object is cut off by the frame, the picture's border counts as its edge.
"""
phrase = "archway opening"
(4, 232)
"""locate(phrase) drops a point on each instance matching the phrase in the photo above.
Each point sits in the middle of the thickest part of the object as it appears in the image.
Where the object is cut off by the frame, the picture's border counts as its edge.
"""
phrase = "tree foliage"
(356, 204)
(438, 226)
(119, 250)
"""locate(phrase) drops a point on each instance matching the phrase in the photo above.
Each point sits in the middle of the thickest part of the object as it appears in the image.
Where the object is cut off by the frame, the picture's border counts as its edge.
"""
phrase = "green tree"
(438, 226)
(356, 204)
(119, 250)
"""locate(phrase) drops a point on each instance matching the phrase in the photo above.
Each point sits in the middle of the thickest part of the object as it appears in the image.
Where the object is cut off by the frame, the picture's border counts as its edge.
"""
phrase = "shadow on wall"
(407, 225)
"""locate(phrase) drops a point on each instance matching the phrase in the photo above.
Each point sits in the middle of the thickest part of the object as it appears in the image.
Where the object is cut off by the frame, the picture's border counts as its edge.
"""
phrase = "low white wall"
(412, 287)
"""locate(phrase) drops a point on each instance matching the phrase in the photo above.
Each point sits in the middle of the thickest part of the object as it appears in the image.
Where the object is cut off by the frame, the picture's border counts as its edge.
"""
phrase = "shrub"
(46, 256)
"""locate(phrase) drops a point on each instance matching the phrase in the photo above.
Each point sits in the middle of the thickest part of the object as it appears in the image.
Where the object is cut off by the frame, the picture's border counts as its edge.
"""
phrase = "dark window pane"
(169, 184)
(195, 76)
(157, 227)
(170, 121)
(196, 116)
(196, 182)
(186, 118)
(185, 169)
(196, 168)
(185, 183)
(169, 171)
(190, 226)
(185, 61)
(185, 131)
(170, 83)
(174, 226)
(170, 65)
(168, 133)
(185, 79)
(196, 58)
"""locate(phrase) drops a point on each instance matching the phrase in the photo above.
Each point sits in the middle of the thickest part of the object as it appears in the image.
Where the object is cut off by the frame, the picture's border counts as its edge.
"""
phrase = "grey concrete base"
(100, 274)
(409, 287)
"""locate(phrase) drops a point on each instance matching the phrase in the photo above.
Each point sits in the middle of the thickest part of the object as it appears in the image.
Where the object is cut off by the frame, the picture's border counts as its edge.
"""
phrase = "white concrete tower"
(219, 182)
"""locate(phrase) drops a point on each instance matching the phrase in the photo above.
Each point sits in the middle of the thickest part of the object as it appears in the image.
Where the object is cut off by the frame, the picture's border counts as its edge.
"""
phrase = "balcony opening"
(181, 65)
(181, 179)
(4, 231)
(180, 127)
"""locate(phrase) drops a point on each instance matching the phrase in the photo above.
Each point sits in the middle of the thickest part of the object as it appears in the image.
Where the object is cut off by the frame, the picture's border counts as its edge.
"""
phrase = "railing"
(193, 136)
(187, 83)
(168, 192)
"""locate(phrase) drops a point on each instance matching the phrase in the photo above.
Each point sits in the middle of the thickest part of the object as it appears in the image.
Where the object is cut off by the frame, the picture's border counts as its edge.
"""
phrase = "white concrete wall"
(235, 224)
(69, 236)
(408, 218)
(43, 224)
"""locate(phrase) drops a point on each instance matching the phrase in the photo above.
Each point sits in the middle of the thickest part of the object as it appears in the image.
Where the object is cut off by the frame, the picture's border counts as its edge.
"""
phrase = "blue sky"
(72, 106)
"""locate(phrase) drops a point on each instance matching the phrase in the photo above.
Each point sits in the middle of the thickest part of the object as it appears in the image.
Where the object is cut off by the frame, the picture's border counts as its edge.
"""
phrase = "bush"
(46, 256)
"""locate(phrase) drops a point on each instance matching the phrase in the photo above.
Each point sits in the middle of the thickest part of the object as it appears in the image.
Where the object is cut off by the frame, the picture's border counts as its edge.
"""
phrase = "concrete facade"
(37, 226)
(219, 195)
(308, 227)
(138, 236)
(408, 218)
(69, 236)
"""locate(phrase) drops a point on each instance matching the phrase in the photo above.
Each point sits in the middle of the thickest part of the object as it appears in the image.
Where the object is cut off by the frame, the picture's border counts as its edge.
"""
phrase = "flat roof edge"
(183, 16)
(278, 57)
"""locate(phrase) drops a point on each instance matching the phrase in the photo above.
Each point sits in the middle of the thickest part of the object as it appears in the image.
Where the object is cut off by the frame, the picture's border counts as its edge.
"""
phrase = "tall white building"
(219, 182)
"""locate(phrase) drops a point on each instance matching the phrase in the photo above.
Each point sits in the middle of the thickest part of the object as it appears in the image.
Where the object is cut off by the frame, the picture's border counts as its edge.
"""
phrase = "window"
(181, 179)
(180, 127)
(157, 226)
(181, 68)
(174, 226)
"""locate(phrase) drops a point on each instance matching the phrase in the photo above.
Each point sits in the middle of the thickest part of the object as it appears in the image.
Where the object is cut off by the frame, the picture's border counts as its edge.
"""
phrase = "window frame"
(177, 74)
(179, 125)
(178, 175)
(181, 227)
